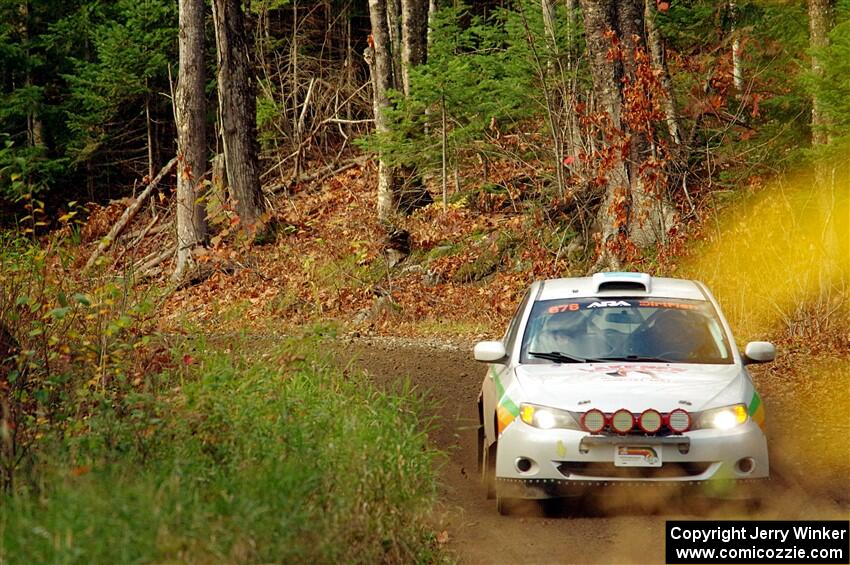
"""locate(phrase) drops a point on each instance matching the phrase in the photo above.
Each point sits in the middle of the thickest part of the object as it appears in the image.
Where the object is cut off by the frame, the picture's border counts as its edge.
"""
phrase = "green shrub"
(70, 355)
(259, 458)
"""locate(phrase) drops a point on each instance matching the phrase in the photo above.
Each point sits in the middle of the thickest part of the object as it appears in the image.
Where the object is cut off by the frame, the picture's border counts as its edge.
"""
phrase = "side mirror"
(489, 351)
(759, 352)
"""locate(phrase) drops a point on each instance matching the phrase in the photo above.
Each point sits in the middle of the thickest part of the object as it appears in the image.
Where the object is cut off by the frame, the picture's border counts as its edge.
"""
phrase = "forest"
(223, 223)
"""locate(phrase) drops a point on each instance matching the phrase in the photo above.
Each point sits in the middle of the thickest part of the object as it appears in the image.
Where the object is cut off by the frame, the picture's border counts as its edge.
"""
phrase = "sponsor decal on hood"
(633, 386)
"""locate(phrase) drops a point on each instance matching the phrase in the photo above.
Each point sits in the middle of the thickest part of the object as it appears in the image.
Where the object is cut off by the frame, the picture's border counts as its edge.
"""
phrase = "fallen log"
(137, 237)
(145, 270)
(138, 264)
(148, 230)
(128, 215)
(319, 176)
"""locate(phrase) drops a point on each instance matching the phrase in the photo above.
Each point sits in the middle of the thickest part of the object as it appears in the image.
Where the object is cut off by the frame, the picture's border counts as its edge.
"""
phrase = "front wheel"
(505, 506)
(488, 469)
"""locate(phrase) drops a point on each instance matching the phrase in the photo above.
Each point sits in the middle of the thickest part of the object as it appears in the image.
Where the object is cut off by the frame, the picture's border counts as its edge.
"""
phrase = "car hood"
(634, 386)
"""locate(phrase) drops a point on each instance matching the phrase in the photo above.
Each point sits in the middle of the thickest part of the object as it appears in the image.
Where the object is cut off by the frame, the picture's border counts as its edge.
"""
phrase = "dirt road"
(617, 530)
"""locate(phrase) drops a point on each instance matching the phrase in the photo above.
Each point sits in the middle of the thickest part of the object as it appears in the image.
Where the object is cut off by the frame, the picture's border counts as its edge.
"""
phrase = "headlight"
(724, 418)
(546, 418)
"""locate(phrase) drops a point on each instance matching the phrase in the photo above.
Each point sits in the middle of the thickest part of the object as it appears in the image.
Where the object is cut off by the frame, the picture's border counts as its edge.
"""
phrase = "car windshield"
(624, 329)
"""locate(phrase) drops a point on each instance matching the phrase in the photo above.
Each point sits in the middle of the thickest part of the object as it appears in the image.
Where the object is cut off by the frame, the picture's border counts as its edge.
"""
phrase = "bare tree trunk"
(547, 7)
(149, 132)
(574, 129)
(237, 100)
(393, 11)
(414, 38)
(349, 67)
(820, 24)
(379, 57)
(737, 73)
(650, 211)
(191, 133)
(632, 211)
(659, 61)
(432, 10)
(219, 199)
(35, 126)
(411, 193)
(606, 75)
(443, 151)
(293, 59)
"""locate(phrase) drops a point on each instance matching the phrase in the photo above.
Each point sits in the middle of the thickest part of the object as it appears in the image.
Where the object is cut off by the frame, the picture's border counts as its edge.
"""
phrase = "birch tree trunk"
(411, 192)
(237, 101)
(432, 10)
(394, 30)
(547, 7)
(414, 38)
(549, 15)
(737, 72)
(190, 105)
(379, 57)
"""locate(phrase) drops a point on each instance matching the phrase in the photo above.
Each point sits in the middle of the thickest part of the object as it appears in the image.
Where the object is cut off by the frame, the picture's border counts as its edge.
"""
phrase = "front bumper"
(567, 461)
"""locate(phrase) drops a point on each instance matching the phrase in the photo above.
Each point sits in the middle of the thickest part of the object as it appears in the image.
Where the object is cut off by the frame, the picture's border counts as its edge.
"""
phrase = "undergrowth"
(122, 445)
(252, 458)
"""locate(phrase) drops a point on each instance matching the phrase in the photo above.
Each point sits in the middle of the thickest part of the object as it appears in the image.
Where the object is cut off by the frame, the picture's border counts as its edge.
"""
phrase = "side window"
(513, 328)
(717, 334)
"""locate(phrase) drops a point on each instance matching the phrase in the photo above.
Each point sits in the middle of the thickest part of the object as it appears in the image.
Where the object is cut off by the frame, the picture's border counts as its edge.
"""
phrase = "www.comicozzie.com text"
(739, 532)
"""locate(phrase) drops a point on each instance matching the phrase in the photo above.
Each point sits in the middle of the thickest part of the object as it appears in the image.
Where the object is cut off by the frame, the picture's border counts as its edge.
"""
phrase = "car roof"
(621, 284)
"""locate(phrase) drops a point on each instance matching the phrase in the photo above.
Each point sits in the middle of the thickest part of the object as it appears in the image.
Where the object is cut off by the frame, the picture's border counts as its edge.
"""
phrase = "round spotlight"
(593, 421)
(622, 421)
(678, 421)
(650, 421)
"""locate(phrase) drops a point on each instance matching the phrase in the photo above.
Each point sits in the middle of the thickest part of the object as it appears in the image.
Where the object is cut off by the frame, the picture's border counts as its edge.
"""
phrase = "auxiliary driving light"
(593, 421)
(622, 421)
(679, 421)
(650, 421)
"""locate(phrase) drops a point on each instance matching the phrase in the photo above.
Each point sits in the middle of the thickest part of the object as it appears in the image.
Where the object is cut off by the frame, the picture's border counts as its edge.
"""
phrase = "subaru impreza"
(613, 379)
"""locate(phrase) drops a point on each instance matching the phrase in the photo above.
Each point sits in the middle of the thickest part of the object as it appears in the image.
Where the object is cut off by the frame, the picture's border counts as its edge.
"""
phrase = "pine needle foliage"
(833, 88)
(470, 77)
(483, 76)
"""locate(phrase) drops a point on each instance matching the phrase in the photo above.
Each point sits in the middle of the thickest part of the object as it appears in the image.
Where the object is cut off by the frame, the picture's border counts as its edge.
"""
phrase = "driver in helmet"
(570, 333)
(671, 336)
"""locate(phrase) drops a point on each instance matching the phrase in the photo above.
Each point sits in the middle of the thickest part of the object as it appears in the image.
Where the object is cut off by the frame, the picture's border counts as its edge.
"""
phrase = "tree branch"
(128, 215)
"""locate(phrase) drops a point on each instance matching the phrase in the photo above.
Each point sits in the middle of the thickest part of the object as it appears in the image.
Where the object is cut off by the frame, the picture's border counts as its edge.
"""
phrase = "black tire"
(504, 505)
(481, 436)
(488, 469)
(551, 507)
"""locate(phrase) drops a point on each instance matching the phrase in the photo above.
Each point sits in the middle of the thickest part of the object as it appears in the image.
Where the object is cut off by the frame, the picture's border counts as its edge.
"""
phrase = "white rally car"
(614, 378)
